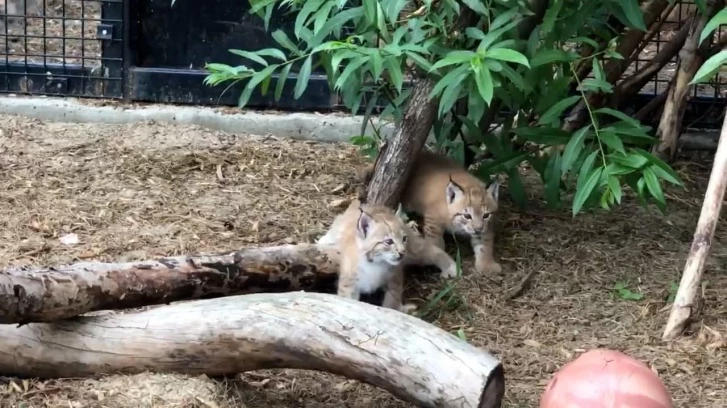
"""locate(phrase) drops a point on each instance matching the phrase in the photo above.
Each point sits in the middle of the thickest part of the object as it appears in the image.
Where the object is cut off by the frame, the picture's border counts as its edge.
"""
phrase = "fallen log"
(49, 294)
(414, 360)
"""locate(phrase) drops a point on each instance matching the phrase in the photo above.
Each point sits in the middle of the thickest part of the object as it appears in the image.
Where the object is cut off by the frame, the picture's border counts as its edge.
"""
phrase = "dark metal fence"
(147, 50)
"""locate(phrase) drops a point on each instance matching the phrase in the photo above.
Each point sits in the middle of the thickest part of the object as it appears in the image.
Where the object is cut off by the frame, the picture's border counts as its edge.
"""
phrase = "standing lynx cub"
(375, 243)
(451, 199)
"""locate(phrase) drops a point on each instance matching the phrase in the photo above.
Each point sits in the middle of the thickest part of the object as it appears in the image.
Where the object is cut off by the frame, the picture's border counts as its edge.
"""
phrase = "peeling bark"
(44, 295)
(683, 308)
(691, 57)
(414, 360)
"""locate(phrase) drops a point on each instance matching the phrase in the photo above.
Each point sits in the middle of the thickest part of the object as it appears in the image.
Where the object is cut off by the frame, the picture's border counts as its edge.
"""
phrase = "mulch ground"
(145, 190)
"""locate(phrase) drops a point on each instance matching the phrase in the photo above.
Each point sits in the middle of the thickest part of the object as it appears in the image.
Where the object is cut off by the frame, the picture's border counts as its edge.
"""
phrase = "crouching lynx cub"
(451, 199)
(375, 244)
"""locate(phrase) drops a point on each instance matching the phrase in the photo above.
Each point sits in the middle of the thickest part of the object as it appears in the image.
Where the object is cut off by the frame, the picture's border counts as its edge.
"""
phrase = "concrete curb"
(303, 126)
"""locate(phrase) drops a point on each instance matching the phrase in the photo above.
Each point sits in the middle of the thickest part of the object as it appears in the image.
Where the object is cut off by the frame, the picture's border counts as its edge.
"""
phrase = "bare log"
(44, 295)
(684, 301)
(414, 360)
(691, 57)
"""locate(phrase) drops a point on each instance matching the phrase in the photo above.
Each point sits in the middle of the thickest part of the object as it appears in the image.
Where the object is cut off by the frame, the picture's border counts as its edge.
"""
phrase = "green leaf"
(395, 73)
(474, 33)
(282, 78)
(584, 191)
(665, 172)
(504, 54)
(634, 161)
(552, 180)
(586, 167)
(450, 95)
(633, 13)
(281, 38)
(547, 56)
(619, 115)
(420, 61)
(393, 9)
(516, 188)
(615, 186)
(369, 9)
(598, 70)
(573, 148)
(616, 169)
(272, 52)
(709, 67)
(494, 35)
(485, 87)
(477, 6)
(253, 82)
(595, 85)
(303, 76)
(716, 21)
(448, 79)
(454, 57)
(352, 66)
(251, 56)
(503, 18)
(556, 110)
(652, 184)
(612, 140)
(377, 64)
(309, 7)
(321, 16)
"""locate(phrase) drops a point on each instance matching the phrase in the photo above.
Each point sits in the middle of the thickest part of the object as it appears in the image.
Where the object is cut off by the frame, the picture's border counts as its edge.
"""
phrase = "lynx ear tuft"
(364, 224)
(454, 191)
(494, 190)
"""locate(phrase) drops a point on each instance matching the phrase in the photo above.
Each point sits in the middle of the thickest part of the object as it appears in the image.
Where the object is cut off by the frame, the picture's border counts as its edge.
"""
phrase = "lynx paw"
(408, 308)
(450, 272)
(488, 267)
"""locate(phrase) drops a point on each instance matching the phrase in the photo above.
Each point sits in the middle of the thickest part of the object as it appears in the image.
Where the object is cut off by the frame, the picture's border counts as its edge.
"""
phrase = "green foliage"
(371, 49)
(716, 61)
(622, 291)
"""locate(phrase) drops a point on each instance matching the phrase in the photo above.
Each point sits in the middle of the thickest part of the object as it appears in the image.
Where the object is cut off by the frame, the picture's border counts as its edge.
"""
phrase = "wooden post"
(681, 310)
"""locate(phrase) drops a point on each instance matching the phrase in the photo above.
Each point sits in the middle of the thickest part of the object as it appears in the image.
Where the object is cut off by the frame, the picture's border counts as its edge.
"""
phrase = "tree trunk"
(684, 301)
(44, 295)
(415, 361)
(691, 57)
(393, 165)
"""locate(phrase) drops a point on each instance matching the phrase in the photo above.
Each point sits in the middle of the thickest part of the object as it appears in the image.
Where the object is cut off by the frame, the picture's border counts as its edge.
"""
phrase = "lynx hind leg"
(395, 292)
(484, 257)
(425, 252)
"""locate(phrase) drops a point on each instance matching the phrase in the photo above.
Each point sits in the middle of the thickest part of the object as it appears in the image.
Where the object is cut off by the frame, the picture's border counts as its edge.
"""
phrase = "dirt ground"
(146, 190)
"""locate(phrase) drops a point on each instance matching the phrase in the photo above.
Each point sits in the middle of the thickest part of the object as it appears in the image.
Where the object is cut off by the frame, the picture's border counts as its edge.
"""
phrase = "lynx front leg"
(484, 258)
(347, 281)
(395, 292)
(433, 232)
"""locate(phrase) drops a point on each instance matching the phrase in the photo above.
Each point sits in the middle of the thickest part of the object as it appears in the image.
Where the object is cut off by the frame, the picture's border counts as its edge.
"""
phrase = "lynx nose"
(399, 256)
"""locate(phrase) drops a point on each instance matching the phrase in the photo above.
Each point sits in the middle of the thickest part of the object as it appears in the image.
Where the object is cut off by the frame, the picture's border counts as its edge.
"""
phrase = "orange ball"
(605, 378)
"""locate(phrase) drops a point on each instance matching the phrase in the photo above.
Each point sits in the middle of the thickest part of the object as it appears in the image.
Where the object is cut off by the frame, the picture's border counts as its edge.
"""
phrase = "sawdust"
(144, 190)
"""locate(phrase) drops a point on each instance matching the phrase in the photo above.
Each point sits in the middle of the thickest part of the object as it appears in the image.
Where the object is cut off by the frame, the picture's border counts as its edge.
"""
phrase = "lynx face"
(471, 208)
(382, 237)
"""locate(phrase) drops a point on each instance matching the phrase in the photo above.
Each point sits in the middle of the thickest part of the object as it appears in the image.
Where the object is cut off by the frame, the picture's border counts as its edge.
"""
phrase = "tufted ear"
(454, 191)
(364, 224)
(400, 211)
(494, 190)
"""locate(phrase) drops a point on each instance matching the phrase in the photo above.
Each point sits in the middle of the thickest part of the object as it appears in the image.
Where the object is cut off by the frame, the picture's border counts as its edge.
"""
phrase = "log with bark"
(49, 294)
(414, 360)
(685, 300)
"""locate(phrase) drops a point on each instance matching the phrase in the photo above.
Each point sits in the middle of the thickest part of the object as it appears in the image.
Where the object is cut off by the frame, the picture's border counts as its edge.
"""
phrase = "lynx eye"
(403, 239)
(389, 241)
(485, 216)
(467, 216)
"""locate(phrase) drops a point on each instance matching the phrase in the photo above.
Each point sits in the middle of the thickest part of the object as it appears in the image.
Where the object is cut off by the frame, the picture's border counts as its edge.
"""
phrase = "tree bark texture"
(414, 360)
(684, 301)
(691, 57)
(394, 162)
(44, 295)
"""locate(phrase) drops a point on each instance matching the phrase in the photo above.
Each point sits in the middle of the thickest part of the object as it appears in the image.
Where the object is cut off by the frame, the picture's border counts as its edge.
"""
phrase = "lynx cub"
(375, 245)
(451, 199)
